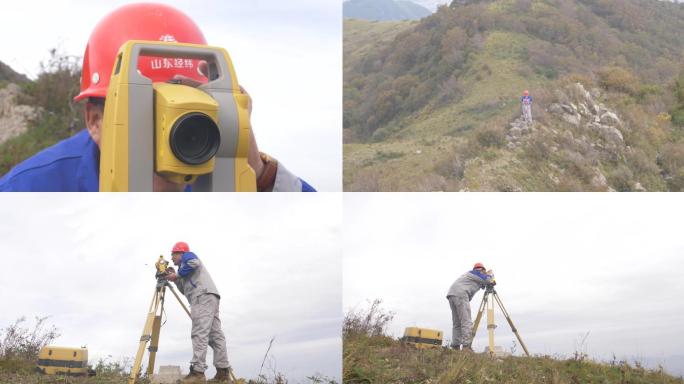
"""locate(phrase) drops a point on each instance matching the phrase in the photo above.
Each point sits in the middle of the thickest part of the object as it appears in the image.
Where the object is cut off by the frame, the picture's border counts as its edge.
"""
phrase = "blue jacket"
(73, 165)
(526, 100)
(468, 284)
(194, 279)
(185, 268)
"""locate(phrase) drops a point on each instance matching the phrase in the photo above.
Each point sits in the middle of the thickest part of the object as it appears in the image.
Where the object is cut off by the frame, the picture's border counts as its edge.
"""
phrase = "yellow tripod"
(150, 333)
(152, 327)
(490, 296)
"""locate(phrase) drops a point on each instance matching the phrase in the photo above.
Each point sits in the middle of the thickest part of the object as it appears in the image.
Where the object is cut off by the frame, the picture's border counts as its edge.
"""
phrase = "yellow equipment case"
(54, 360)
(422, 338)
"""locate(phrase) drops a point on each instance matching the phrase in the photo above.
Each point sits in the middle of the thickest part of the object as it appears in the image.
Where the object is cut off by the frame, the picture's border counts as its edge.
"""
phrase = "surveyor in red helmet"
(73, 164)
(195, 283)
(459, 296)
(526, 101)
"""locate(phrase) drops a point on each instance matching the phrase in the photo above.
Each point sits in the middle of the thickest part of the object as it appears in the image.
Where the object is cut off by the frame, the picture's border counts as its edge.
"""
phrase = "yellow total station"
(197, 136)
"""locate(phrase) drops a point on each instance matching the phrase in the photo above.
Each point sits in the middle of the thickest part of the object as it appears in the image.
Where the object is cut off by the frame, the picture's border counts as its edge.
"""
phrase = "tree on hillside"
(678, 111)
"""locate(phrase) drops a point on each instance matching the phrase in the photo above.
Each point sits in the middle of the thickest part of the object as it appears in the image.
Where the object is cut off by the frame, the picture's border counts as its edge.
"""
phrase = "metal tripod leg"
(510, 322)
(479, 315)
(152, 330)
(490, 324)
(488, 303)
(146, 334)
(154, 344)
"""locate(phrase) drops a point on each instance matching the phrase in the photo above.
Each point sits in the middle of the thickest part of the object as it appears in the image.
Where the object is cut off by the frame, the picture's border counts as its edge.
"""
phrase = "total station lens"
(195, 138)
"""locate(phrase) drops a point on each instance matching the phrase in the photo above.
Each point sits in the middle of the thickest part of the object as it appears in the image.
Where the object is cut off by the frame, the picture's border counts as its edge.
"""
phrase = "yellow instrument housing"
(128, 139)
(172, 102)
(53, 360)
(423, 338)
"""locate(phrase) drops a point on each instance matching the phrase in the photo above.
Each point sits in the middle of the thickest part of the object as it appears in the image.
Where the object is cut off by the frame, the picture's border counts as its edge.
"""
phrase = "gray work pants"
(206, 331)
(527, 112)
(460, 318)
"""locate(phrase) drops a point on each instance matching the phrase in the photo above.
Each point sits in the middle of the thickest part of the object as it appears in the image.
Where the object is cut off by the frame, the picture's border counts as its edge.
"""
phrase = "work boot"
(194, 377)
(222, 376)
(467, 348)
(456, 347)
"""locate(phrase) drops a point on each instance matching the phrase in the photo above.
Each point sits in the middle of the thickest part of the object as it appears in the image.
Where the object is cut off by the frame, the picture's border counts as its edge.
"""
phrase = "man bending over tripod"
(194, 281)
(459, 296)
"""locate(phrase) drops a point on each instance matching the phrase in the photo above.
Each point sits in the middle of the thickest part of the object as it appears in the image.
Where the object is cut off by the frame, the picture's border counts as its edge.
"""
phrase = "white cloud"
(566, 264)
(87, 261)
(287, 54)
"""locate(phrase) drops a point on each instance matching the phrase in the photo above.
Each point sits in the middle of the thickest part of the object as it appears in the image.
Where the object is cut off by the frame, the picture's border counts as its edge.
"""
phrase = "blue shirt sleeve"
(306, 187)
(481, 275)
(185, 268)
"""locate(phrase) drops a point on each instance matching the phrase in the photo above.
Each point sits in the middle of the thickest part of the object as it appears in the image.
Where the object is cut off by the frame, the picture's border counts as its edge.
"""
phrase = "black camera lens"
(194, 138)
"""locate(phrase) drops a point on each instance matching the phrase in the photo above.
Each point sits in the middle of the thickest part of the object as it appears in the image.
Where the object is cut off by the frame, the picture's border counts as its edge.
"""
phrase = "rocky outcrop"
(13, 117)
(517, 131)
(582, 132)
(584, 112)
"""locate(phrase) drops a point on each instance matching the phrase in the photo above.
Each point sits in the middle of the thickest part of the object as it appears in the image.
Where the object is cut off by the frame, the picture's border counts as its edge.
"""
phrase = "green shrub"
(678, 117)
(388, 155)
(678, 111)
(19, 343)
(671, 161)
(491, 137)
(370, 322)
(621, 178)
(52, 92)
(618, 79)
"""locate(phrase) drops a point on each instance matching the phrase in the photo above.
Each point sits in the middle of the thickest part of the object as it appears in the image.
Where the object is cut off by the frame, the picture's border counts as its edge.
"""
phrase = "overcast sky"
(566, 264)
(88, 262)
(288, 55)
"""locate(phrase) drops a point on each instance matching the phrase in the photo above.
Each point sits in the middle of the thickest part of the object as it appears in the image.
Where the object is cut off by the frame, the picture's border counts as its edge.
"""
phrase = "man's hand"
(171, 276)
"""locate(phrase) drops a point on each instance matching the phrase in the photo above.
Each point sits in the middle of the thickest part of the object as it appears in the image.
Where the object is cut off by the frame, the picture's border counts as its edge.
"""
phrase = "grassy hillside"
(380, 359)
(20, 346)
(429, 106)
(371, 356)
(23, 372)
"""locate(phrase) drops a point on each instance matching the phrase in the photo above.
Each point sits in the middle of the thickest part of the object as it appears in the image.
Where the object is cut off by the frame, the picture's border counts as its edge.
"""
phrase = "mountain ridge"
(8, 75)
(383, 10)
(421, 104)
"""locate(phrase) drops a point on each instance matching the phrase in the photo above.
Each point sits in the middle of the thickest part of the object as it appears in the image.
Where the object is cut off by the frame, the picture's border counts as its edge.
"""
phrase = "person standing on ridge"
(526, 101)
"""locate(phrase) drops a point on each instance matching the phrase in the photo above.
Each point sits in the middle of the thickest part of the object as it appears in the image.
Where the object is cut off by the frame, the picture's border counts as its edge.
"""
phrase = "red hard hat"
(479, 265)
(143, 21)
(180, 247)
